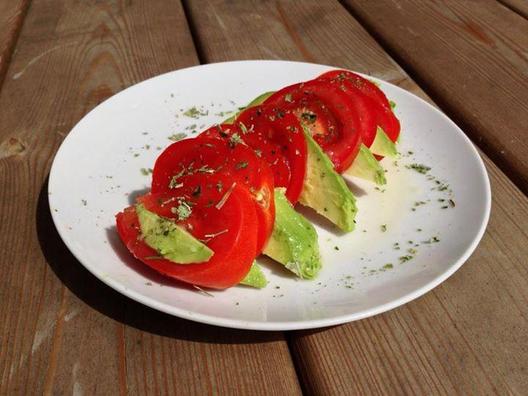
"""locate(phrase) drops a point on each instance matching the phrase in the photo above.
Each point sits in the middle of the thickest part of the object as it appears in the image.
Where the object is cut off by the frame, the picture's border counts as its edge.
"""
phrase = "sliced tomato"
(385, 118)
(332, 117)
(277, 139)
(228, 159)
(226, 225)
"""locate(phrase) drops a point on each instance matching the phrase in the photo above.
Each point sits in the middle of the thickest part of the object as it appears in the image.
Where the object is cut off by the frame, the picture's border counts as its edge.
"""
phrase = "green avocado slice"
(367, 167)
(294, 241)
(382, 145)
(324, 189)
(255, 277)
(169, 240)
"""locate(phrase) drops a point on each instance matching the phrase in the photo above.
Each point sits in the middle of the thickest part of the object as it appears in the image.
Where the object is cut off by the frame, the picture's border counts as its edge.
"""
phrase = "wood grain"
(471, 58)
(519, 6)
(62, 331)
(467, 336)
(12, 14)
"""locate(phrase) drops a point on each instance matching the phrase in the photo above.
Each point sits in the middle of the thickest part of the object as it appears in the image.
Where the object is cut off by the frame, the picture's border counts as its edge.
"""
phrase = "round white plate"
(409, 237)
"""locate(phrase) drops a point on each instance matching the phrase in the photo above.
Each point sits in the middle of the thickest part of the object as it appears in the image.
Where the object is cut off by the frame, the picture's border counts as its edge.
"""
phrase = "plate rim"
(279, 325)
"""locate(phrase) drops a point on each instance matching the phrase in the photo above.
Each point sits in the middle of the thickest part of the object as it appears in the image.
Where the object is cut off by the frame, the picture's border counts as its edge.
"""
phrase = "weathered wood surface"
(471, 58)
(12, 13)
(63, 331)
(470, 334)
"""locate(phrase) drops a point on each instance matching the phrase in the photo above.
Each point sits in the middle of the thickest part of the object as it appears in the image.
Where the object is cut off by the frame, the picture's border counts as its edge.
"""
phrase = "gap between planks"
(194, 32)
(518, 6)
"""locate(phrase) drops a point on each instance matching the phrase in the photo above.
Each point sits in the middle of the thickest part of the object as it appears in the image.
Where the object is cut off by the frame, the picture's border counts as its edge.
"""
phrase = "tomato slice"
(228, 159)
(226, 225)
(277, 139)
(333, 118)
(385, 118)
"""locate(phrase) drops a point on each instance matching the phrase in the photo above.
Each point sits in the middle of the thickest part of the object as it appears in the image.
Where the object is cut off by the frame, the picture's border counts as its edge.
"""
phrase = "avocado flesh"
(172, 242)
(382, 145)
(324, 189)
(367, 167)
(293, 242)
(255, 277)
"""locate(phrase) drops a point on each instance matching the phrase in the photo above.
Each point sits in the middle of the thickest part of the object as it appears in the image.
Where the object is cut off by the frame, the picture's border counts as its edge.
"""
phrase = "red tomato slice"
(279, 141)
(385, 118)
(228, 159)
(227, 226)
(339, 126)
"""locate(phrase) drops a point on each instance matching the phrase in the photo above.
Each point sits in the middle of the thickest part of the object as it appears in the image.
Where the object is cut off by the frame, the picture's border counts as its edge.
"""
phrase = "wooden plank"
(519, 6)
(467, 336)
(63, 331)
(471, 58)
(12, 15)
(175, 356)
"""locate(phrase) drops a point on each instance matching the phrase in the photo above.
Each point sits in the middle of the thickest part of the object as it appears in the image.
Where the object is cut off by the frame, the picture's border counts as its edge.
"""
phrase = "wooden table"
(63, 331)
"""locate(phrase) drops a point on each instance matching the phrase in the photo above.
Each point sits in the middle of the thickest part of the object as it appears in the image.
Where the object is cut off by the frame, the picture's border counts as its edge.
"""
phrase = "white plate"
(97, 172)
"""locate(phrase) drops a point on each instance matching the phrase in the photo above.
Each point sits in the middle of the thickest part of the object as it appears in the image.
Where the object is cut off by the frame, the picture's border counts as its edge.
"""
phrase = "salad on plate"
(220, 199)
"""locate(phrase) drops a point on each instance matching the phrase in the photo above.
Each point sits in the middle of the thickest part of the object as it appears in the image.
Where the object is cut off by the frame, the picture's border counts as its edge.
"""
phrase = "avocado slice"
(325, 190)
(255, 277)
(169, 240)
(293, 241)
(367, 167)
(382, 145)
